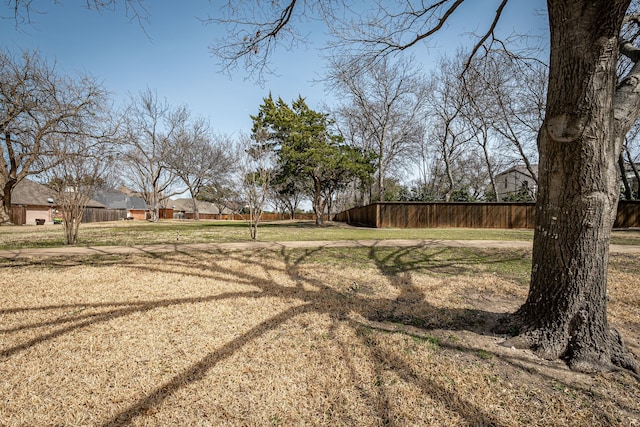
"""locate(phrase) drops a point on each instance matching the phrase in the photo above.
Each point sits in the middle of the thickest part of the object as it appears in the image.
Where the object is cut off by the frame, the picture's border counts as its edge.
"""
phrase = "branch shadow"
(310, 295)
(83, 321)
(386, 360)
(198, 370)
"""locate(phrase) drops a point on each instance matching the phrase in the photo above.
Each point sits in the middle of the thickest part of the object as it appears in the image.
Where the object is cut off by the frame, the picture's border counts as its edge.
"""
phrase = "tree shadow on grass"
(311, 295)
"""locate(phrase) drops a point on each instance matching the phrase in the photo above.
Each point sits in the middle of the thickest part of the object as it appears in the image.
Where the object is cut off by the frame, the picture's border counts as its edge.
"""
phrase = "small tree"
(514, 103)
(255, 169)
(82, 165)
(450, 133)
(307, 151)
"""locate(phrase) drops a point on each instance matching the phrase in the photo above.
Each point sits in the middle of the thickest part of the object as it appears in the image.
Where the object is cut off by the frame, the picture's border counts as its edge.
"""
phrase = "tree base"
(620, 355)
(550, 346)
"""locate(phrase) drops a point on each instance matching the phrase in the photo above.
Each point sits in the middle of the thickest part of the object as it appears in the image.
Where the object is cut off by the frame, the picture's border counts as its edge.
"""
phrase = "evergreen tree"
(308, 152)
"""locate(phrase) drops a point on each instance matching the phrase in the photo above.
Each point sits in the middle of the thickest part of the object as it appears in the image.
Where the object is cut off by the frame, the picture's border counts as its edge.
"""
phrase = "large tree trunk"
(565, 313)
(318, 204)
(196, 212)
(8, 181)
(5, 203)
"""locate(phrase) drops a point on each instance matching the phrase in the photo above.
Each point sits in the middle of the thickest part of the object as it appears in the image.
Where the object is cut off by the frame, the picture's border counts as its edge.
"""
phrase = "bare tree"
(579, 143)
(628, 192)
(255, 161)
(516, 92)
(223, 197)
(151, 127)
(449, 132)
(384, 103)
(199, 158)
(37, 106)
(475, 89)
(628, 162)
(23, 11)
(81, 165)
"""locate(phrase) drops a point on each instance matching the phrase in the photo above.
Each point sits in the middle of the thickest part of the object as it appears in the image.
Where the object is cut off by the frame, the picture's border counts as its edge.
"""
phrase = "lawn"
(128, 233)
(322, 336)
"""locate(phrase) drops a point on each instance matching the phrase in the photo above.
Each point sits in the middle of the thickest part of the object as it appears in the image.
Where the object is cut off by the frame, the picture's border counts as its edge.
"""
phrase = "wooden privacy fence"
(100, 215)
(628, 214)
(18, 214)
(245, 217)
(460, 214)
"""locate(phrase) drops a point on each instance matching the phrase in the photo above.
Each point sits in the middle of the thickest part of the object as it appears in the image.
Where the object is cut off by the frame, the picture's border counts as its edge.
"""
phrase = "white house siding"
(511, 181)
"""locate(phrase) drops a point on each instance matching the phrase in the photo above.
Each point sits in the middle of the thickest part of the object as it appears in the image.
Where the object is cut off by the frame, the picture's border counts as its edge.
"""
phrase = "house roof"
(31, 193)
(115, 199)
(186, 205)
(520, 169)
(27, 192)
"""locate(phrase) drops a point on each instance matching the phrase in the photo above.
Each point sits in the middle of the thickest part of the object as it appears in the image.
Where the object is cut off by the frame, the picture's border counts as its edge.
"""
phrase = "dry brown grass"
(369, 336)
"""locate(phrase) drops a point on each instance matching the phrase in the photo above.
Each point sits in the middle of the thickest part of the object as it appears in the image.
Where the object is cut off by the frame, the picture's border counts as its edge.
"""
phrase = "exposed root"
(589, 364)
(509, 324)
(620, 355)
(586, 360)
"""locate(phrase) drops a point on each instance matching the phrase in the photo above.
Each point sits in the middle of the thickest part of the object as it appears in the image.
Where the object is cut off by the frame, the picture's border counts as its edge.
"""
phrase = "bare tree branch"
(483, 39)
(23, 10)
(37, 106)
(253, 32)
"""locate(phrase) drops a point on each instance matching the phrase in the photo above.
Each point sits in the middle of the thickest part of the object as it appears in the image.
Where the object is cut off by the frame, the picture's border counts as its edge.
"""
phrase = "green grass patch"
(439, 261)
(431, 340)
(128, 233)
(484, 355)
(626, 237)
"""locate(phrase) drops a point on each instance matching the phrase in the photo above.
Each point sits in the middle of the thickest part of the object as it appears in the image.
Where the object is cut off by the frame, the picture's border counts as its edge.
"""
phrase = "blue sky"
(171, 54)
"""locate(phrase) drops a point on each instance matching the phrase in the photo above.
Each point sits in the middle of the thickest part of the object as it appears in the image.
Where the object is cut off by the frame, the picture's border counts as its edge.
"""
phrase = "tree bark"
(5, 203)
(8, 181)
(318, 203)
(565, 313)
(196, 212)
